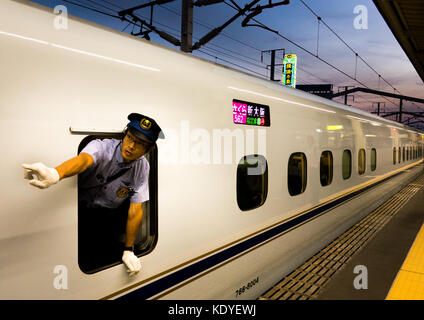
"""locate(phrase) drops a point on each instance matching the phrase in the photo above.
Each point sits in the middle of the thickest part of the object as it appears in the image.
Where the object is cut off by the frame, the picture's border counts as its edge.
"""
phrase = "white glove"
(132, 262)
(46, 176)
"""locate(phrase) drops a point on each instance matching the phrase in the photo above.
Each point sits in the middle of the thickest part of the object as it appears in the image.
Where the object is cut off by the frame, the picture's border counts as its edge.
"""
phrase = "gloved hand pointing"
(46, 176)
(132, 262)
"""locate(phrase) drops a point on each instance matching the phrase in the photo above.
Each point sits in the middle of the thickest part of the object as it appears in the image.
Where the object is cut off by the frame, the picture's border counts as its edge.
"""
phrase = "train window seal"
(361, 161)
(394, 155)
(147, 236)
(346, 164)
(297, 173)
(326, 168)
(252, 182)
(373, 159)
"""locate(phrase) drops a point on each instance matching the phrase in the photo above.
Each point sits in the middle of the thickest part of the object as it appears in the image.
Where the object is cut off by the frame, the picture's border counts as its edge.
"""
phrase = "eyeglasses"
(137, 142)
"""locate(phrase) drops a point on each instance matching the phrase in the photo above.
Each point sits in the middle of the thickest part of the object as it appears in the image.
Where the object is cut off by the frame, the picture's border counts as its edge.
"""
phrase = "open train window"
(297, 173)
(101, 240)
(400, 154)
(326, 168)
(374, 159)
(252, 182)
(346, 164)
(361, 161)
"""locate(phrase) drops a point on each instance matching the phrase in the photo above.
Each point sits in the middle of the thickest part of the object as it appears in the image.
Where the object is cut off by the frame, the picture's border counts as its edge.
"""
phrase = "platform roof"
(405, 19)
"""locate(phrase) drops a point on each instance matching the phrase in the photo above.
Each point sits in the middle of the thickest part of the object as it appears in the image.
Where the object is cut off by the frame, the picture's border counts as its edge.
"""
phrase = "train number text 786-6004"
(246, 287)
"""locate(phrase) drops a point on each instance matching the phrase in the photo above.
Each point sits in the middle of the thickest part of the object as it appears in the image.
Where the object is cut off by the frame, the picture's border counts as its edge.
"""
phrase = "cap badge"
(145, 124)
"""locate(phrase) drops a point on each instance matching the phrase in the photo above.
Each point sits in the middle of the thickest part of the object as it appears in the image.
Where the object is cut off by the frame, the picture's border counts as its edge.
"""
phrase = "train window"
(347, 164)
(407, 153)
(400, 154)
(252, 182)
(361, 161)
(374, 159)
(326, 168)
(394, 155)
(297, 173)
(403, 154)
(101, 240)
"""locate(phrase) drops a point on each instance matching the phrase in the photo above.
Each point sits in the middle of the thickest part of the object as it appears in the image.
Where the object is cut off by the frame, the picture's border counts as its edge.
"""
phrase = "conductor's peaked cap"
(145, 128)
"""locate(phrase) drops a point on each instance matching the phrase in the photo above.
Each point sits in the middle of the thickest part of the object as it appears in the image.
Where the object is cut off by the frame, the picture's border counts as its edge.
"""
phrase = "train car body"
(58, 86)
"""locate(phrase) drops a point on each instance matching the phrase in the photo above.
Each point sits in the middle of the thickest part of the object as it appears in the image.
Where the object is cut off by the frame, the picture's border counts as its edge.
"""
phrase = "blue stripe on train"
(194, 269)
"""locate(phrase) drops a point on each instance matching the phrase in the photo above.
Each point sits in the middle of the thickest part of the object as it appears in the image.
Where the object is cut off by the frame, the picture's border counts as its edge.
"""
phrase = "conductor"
(111, 173)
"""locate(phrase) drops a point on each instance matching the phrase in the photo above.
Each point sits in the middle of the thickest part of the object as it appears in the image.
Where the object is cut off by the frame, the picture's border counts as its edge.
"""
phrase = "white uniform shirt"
(108, 161)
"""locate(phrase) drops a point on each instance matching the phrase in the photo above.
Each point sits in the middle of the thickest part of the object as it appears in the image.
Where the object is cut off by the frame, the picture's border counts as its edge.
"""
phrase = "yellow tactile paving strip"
(409, 282)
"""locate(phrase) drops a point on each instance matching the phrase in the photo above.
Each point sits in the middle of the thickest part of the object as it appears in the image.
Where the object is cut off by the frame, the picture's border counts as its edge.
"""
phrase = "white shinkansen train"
(251, 179)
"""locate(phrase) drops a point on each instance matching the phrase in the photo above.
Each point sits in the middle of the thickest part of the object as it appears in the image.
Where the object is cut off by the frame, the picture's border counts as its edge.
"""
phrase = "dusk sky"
(295, 21)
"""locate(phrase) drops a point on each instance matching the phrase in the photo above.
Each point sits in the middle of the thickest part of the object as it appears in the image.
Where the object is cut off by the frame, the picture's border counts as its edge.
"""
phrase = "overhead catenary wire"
(109, 5)
(232, 38)
(212, 27)
(310, 53)
(170, 28)
(173, 29)
(343, 41)
(99, 5)
(92, 9)
(357, 55)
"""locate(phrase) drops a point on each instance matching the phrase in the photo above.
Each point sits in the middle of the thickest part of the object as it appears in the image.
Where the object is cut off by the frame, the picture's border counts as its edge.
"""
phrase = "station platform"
(379, 258)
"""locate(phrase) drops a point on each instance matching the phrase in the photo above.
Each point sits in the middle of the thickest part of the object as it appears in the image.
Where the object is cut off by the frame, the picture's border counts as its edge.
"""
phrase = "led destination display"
(251, 113)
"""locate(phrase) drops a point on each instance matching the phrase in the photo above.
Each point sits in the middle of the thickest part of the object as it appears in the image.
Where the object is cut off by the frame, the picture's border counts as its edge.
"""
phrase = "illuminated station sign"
(289, 70)
(251, 113)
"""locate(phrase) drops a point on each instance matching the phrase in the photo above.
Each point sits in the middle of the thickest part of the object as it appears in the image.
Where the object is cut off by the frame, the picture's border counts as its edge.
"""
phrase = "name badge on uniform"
(122, 192)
